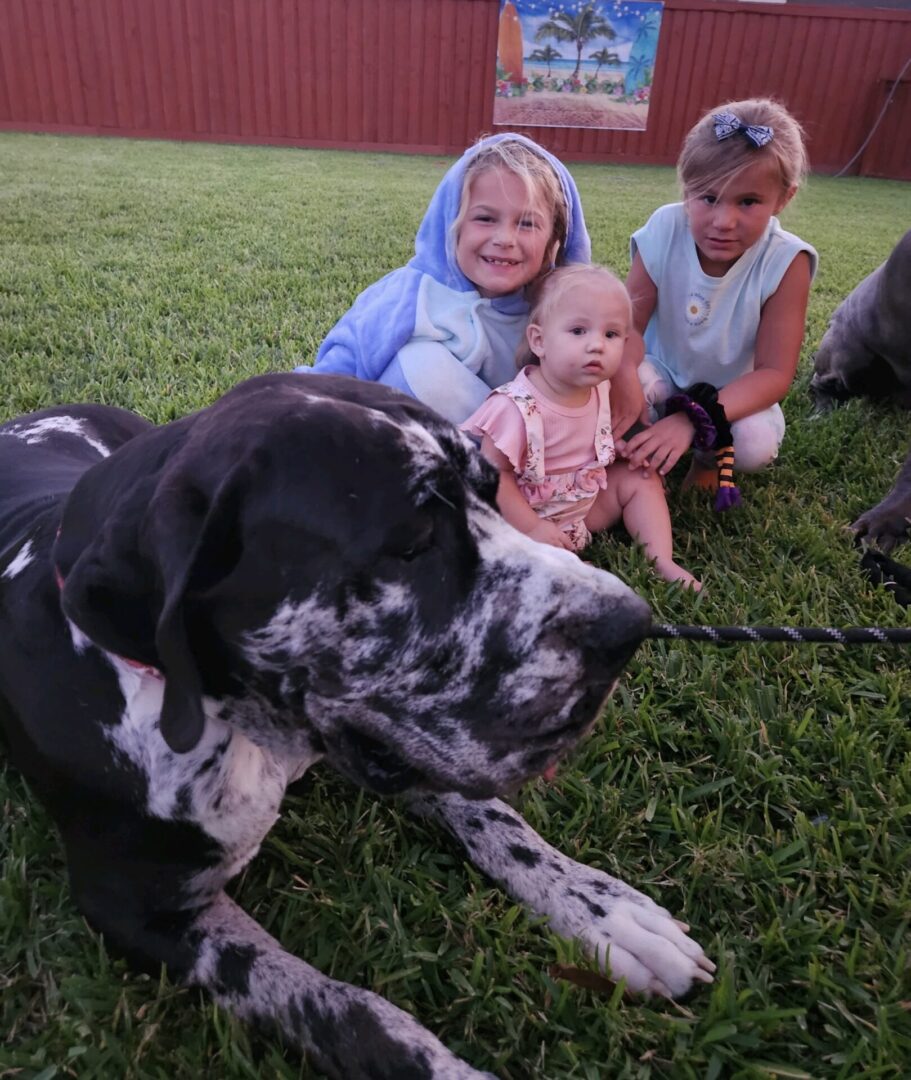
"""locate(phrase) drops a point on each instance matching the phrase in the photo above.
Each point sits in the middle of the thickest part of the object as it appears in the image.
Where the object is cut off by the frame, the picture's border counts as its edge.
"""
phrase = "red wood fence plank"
(10, 77)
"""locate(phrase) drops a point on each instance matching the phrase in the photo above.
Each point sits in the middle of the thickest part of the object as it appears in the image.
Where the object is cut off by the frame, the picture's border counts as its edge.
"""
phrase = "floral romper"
(564, 498)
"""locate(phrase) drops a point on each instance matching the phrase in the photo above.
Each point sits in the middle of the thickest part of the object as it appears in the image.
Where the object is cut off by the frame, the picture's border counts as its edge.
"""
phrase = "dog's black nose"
(608, 637)
(620, 632)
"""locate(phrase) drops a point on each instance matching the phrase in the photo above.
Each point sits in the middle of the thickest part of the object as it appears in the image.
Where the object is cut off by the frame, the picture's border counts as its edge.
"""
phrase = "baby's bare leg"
(639, 501)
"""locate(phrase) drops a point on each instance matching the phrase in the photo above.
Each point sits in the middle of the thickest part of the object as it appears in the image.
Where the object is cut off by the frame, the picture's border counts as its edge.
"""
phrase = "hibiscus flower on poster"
(576, 63)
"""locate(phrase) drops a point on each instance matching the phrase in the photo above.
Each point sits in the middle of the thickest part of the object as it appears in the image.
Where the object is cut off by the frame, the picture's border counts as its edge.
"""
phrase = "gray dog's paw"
(884, 525)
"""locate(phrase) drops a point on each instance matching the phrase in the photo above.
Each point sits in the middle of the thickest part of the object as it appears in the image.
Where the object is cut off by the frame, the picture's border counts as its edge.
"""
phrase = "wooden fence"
(418, 75)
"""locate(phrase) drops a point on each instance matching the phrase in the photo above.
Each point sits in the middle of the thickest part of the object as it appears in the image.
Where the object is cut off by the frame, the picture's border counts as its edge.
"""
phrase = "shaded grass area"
(765, 792)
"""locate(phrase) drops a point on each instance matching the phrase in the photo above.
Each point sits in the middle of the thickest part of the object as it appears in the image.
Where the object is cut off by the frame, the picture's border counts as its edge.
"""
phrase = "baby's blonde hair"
(542, 185)
(552, 287)
(707, 163)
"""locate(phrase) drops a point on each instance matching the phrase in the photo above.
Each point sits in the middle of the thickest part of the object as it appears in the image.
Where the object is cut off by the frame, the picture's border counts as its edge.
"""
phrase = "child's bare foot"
(700, 476)
(672, 571)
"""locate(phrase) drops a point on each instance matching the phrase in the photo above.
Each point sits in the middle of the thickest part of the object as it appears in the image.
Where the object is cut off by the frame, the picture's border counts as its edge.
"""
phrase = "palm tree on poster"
(637, 73)
(580, 29)
(545, 56)
(602, 57)
(649, 25)
(642, 54)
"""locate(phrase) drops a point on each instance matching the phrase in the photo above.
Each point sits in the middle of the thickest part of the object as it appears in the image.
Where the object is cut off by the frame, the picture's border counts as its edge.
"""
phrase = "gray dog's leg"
(886, 524)
(630, 935)
(350, 1033)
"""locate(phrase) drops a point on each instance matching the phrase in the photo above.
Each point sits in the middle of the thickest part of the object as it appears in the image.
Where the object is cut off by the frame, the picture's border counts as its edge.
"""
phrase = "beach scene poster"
(576, 63)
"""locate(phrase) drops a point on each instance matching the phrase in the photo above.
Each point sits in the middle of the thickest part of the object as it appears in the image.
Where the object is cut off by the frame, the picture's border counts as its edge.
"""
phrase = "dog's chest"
(227, 786)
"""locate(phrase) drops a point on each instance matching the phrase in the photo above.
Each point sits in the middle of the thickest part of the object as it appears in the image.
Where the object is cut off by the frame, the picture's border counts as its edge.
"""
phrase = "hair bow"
(727, 124)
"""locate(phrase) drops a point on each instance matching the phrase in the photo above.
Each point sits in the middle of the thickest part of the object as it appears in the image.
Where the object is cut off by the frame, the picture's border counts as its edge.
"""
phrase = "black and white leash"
(823, 635)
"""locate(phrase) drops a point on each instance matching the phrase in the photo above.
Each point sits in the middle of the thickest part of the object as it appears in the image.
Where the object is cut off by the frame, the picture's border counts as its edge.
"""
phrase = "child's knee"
(757, 439)
(630, 483)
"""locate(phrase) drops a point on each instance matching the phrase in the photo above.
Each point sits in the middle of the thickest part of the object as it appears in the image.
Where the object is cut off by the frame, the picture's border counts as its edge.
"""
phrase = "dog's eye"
(409, 540)
(420, 545)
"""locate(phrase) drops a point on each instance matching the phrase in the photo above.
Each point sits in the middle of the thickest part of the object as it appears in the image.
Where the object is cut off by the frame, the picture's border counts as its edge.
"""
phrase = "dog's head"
(322, 553)
(843, 369)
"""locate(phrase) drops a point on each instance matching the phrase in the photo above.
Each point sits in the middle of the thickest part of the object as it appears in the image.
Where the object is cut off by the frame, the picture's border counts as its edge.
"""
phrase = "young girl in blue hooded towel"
(445, 327)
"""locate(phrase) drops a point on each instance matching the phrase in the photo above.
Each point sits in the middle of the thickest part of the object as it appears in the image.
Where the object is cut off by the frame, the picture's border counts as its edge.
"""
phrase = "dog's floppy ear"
(127, 581)
(197, 544)
(109, 585)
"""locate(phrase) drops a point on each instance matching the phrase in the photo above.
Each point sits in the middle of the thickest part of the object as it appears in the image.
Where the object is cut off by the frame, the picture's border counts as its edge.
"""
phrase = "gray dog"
(867, 351)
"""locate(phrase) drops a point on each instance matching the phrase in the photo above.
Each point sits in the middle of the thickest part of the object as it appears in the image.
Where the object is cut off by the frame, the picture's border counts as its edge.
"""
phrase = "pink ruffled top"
(573, 438)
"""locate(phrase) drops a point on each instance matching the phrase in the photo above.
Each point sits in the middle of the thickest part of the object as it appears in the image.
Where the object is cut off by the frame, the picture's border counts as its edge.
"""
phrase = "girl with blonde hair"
(719, 292)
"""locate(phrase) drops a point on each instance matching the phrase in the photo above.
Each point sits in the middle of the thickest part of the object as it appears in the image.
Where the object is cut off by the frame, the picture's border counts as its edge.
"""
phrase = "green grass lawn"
(765, 792)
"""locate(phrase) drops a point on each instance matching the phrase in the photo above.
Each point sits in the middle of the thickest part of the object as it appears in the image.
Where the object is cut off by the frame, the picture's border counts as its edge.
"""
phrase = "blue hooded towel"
(417, 328)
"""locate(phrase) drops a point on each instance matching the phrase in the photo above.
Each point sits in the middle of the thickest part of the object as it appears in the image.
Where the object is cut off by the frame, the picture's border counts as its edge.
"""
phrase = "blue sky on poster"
(625, 18)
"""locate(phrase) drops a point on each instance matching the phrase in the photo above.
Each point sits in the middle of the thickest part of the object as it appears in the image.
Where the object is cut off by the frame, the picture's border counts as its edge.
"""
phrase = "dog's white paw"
(648, 948)
(632, 937)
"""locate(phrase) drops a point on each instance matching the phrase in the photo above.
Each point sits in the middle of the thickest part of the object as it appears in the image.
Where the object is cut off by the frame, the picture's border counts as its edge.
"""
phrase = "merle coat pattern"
(311, 568)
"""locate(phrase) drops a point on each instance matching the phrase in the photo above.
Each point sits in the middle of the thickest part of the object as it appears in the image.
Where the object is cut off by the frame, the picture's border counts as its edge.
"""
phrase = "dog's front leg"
(348, 1032)
(631, 936)
(887, 523)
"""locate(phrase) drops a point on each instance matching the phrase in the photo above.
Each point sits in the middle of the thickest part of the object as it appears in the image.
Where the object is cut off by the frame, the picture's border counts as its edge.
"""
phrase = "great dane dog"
(311, 568)
(867, 351)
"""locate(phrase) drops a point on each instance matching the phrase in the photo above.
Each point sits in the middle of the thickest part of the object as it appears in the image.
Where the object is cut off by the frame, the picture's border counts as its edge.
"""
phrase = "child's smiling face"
(505, 238)
(728, 222)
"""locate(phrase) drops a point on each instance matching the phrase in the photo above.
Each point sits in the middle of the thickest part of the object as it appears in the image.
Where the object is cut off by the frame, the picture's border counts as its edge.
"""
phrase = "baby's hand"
(545, 532)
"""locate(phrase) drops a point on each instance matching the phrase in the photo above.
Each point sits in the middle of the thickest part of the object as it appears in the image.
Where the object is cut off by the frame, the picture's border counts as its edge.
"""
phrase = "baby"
(548, 431)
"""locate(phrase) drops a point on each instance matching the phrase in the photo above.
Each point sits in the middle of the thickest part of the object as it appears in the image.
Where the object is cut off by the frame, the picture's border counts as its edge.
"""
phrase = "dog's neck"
(279, 733)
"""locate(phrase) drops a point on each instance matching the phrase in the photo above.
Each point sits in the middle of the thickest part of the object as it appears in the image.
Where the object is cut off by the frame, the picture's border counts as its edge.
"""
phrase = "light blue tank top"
(704, 328)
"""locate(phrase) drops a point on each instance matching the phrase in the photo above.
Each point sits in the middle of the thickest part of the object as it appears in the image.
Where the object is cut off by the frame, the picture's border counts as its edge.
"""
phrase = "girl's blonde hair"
(542, 186)
(707, 163)
(552, 287)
